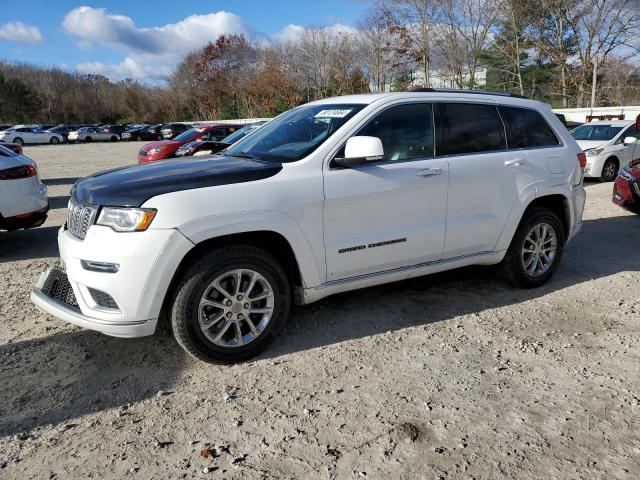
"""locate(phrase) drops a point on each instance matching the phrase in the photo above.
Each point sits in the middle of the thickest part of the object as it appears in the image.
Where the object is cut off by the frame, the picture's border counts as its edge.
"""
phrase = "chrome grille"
(80, 218)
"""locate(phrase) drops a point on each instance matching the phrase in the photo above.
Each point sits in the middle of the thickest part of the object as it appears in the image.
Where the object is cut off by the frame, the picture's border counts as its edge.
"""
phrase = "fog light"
(101, 267)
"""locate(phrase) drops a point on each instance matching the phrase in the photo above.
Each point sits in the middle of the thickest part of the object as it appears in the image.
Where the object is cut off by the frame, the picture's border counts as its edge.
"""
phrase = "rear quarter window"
(469, 128)
(526, 128)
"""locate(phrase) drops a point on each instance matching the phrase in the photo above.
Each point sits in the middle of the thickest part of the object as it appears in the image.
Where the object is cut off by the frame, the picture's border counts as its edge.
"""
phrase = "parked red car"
(164, 149)
(16, 147)
(626, 189)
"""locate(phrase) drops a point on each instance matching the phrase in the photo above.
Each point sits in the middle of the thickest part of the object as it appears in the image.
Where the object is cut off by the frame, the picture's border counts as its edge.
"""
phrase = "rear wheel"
(536, 249)
(138, 138)
(88, 139)
(609, 170)
(230, 304)
(18, 140)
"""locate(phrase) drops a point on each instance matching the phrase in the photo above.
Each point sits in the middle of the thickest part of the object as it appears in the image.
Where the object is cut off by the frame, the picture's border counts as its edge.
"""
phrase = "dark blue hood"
(132, 186)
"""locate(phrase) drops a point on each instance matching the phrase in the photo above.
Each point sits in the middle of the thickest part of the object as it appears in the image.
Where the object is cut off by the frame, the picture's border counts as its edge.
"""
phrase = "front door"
(391, 213)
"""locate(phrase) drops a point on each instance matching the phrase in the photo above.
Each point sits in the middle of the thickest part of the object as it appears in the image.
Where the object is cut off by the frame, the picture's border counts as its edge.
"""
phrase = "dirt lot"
(450, 376)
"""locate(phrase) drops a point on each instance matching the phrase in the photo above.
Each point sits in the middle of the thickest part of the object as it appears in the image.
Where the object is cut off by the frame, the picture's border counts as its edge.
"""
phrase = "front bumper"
(146, 262)
(58, 309)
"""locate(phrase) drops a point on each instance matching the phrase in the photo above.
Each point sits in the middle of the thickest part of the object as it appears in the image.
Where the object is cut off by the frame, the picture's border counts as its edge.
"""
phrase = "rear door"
(388, 214)
(484, 177)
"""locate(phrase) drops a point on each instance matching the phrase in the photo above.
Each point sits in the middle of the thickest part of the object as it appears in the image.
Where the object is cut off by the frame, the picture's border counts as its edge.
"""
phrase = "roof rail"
(475, 92)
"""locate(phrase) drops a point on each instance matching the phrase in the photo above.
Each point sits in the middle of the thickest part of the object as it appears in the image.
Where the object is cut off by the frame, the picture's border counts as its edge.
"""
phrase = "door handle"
(515, 162)
(429, 172)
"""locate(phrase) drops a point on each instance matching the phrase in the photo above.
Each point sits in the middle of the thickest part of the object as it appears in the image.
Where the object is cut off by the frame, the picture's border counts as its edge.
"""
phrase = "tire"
(513, 267)
(139, 138)
(54, 141)
(197, 283)
(88, 139)
(18, 140)
(609, 170)
(113, 138)
(159, 138)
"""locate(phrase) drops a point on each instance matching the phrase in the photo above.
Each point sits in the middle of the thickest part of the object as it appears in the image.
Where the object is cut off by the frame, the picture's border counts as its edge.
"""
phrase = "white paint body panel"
(21, 196)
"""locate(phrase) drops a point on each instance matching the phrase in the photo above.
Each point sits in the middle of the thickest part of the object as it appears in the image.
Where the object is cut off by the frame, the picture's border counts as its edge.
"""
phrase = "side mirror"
(359, 150)
(630, 140)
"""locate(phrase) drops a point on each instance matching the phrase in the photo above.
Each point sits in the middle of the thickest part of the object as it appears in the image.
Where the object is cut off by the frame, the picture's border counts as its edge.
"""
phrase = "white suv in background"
(609, 146)
(329, 197)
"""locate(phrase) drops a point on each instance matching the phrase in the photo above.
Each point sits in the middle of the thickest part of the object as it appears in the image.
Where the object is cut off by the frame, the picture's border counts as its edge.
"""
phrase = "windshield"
(237, 135)
(599, 132)
(188, 135)
(296, 133)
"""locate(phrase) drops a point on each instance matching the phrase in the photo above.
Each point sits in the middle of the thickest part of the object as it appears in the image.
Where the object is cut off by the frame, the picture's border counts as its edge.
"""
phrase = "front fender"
(309, 262)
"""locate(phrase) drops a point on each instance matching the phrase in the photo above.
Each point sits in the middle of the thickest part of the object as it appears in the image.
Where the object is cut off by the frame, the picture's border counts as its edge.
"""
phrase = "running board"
(305, 296)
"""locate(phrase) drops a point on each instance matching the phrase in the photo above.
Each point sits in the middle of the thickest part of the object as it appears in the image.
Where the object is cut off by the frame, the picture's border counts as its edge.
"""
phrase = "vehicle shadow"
(604, 247)
(29, 244)
(55, 379)
(52, 380)
(59, 202)
(50, 182)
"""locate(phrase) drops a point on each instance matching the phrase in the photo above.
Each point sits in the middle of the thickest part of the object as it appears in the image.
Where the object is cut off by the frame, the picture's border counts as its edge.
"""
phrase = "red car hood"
(161, 143)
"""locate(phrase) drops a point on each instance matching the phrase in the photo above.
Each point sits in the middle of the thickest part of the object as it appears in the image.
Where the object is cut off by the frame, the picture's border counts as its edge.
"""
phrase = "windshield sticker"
(335, 113)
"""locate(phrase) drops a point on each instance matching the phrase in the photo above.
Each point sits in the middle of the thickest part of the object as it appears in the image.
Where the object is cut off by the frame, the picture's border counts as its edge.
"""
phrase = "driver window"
(632, 131)
(406, 131)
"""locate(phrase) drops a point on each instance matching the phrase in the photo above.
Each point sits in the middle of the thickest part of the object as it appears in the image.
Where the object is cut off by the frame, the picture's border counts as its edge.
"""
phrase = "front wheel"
(230, 304)
(54, 141)
(113, 139)
(88, 139)
(609, 170)
(18, 140)
(536, 249)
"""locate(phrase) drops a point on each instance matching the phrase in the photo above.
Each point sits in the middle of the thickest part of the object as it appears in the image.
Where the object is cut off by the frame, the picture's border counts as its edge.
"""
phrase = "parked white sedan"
(23, 198)
(22, 135)
(91, 134)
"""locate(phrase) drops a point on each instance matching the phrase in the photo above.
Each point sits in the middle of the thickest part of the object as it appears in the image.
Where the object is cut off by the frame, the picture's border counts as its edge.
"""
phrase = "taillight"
(582, 160)
(16, 173)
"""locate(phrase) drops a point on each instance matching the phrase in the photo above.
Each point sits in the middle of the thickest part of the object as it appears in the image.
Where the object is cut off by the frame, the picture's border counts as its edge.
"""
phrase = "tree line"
(552, 50)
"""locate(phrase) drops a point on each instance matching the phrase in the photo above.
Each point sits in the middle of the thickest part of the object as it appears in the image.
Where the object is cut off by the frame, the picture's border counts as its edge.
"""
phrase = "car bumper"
(116, 328)
(146, 262)
(25, 220)
(626, 193)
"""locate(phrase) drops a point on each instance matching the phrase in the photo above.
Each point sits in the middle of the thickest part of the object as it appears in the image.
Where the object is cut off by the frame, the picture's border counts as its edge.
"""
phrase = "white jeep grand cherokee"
(332, 196)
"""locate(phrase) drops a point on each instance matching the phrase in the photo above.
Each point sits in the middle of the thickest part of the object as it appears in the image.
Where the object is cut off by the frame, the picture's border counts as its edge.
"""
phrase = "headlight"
(126, 219)
(593, 152)
(157, 149)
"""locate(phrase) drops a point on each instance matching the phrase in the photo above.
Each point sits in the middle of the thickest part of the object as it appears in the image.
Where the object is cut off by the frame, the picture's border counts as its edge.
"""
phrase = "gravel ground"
(450, 376)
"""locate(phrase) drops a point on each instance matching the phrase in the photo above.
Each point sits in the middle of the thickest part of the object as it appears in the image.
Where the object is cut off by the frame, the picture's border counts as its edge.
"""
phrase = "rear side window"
(469, 128)
(406, 131)
(527, 128)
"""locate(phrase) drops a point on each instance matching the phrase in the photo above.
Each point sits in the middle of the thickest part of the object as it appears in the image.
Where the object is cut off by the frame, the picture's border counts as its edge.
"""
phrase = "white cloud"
(174, 39)
(19, 32)
(152, 53)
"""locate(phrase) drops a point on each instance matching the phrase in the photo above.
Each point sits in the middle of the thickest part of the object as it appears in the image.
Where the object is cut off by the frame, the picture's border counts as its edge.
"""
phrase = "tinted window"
(406, 131)
(526, 128)
(470, 128)
(632, 131)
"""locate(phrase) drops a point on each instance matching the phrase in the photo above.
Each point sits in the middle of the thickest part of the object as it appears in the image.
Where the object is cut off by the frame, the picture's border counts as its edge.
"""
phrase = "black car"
(117, 129)
(142, 132)
(171, 130)
(62, 130)
(210, 147)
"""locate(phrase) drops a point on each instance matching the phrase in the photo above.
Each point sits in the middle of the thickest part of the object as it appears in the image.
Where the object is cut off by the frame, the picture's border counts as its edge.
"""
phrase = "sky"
(144, 39)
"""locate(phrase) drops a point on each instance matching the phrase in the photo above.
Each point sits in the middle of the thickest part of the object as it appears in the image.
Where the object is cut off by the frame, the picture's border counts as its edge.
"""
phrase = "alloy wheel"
(539, 249)
(236, 308)
(609, 170)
